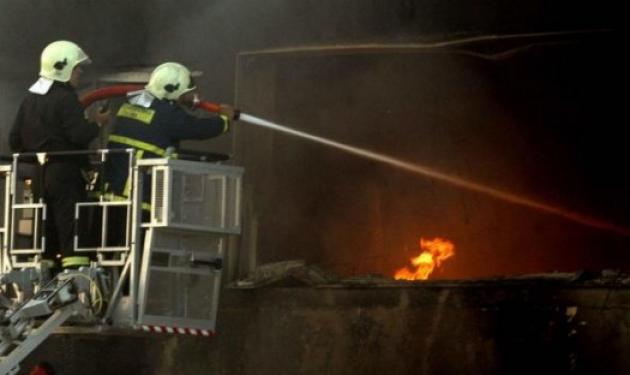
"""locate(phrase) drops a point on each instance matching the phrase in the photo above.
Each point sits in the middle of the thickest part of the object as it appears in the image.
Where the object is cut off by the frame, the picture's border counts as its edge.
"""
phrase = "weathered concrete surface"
(498, 327)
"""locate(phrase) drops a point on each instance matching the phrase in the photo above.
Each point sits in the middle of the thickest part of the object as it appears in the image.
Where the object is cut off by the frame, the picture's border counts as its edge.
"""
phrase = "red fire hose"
(208, 106)
(122, 90)
(107, 92)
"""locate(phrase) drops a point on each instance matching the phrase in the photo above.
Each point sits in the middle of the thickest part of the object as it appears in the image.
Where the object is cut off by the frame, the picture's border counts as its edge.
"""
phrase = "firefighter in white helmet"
(155, 120)
(170, 81)
(51, 119)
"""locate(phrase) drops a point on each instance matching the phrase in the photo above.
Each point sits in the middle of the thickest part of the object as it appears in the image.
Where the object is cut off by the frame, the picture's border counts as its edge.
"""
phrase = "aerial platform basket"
(194, 208)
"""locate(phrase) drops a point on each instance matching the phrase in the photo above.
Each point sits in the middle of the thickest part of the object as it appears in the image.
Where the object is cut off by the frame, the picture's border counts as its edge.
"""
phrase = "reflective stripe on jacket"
(153, 130)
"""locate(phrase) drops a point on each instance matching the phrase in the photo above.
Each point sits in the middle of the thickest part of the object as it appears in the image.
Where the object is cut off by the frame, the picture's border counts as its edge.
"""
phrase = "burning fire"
(434, 252)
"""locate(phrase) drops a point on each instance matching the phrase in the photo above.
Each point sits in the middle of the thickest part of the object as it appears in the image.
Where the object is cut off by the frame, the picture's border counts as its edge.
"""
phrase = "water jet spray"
(419, 169)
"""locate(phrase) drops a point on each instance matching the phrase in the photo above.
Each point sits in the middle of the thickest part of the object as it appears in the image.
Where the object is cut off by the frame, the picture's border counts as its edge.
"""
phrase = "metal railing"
(28, 213)
(166, 269)
(5, 209)
(194, 208)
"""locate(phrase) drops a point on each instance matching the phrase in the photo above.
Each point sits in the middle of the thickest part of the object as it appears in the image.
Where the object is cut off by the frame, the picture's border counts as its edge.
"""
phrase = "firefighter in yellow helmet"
(154, 120)
(52, 119)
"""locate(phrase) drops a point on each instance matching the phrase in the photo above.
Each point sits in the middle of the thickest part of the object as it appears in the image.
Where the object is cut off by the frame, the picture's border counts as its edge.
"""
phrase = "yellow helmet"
(170, 81)
(59, 59)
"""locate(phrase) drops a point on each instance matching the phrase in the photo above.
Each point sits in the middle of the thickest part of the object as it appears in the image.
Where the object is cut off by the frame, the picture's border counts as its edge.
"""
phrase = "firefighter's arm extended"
(186, 126)
(228, 111)
(102, 114)
(76, 127)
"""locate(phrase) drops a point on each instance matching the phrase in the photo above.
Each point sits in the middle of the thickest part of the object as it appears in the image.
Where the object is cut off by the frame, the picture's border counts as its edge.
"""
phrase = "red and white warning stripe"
(177, 330)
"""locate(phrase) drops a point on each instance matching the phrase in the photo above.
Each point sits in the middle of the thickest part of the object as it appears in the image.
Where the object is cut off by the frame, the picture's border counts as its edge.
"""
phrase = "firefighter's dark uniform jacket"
(151, 129)
(55, 121)
(52, 122)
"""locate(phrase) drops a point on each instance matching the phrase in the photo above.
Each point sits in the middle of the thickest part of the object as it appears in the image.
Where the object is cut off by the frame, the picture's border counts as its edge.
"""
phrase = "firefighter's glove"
(229, 112)
(102, 116)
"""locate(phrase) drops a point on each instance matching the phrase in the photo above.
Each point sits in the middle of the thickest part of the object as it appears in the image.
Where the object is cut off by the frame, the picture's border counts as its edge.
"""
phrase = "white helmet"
(59, 59)
(170, 81)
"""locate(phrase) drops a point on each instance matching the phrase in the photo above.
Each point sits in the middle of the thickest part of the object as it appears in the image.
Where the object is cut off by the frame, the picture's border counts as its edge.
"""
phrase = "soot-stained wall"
(506, 328)
(537, 121)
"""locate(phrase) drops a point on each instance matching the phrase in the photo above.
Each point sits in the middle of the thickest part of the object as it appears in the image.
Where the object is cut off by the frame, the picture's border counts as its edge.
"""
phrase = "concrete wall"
(502, 328)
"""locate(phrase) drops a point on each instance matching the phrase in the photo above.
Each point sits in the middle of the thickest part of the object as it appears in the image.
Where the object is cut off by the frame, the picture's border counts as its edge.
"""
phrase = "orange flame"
(434, 252)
